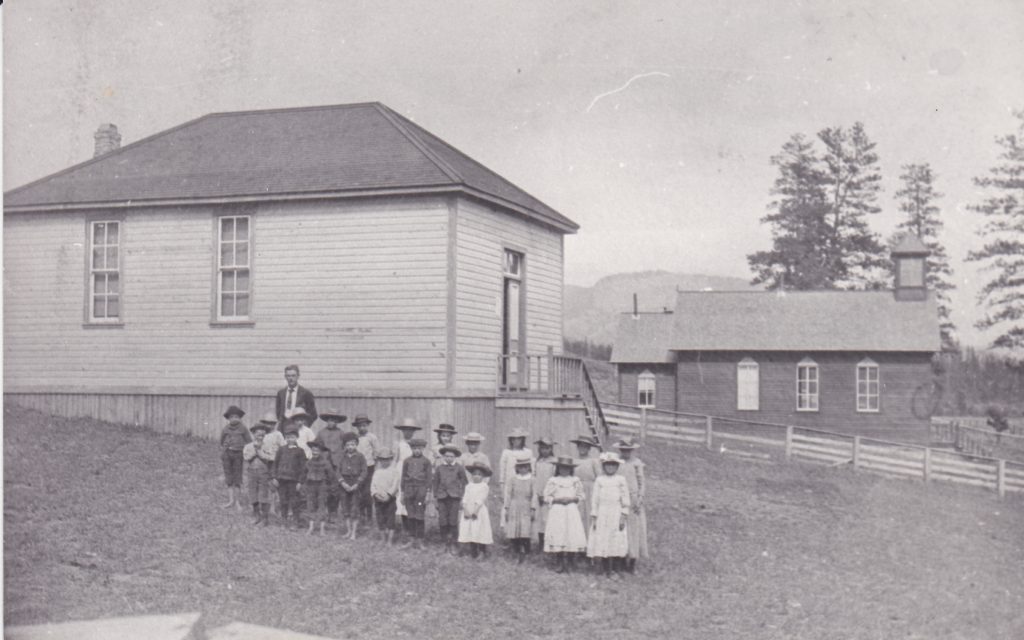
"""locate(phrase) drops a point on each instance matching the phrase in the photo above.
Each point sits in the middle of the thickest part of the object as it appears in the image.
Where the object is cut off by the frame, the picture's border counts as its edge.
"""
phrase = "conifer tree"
(916, 198)
(1002, 254)
(820, 233)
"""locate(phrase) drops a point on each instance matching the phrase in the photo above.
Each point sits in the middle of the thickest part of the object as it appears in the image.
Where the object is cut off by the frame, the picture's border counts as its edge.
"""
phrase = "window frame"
(217, 316)
(646, 376)
(867, 364)
(89, 317)
(748, 364)
(813, 403)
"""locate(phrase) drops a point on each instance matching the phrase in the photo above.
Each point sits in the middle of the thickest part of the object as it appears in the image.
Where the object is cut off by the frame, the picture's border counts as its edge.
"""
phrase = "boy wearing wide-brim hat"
(417, 473)
(408, 428)
(543, 470)
(316, 480)
(564, 535)
(449, 484)
(369, 446)
(258, 462)
(233, 438)
(475, 523)
(384, 489)
(331, 437)
(632, 468)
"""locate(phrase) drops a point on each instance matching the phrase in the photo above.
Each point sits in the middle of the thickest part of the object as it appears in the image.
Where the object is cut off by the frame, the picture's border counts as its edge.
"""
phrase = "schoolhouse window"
(105, 271)
(807, 385)
(748, 385)
(867, 386)
(233, 265)
(645, 388)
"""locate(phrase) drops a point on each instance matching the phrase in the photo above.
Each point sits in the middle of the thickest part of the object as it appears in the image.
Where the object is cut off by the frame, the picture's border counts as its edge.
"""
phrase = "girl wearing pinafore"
(609, 507)
(520, 506)
(564, 534)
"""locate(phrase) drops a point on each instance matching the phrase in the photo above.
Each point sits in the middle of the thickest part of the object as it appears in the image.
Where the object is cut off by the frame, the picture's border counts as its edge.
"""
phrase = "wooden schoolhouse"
(161, 281)
(850, 361)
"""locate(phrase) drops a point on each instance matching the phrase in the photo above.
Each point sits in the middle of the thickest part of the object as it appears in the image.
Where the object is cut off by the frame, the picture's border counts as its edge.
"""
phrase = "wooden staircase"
(592, 409)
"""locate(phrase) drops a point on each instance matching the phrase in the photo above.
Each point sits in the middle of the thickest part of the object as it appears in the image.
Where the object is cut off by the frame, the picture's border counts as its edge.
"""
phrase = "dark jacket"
(290, 463)
(416, 475)
(320, 469)
(235, 438)
(449, 481)
(303, 398)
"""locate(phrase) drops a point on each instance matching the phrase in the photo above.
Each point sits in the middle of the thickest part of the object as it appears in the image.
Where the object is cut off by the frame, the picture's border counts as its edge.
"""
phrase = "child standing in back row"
(233, 438)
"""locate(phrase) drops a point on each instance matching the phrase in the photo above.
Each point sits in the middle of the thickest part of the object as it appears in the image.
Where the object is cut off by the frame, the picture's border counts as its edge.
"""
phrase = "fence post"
(707, 432)
(856, 452)
(553, 384)
(1001, 478)
(643, 425)
(927, 464)
(789, 442)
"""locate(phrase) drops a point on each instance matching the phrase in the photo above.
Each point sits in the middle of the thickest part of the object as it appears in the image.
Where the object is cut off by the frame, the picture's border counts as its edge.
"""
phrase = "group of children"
(583, 506)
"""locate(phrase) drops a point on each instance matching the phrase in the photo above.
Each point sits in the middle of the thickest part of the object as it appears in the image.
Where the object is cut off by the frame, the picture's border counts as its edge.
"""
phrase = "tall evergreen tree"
(916, 199)
(820, 234)
(1002, 255)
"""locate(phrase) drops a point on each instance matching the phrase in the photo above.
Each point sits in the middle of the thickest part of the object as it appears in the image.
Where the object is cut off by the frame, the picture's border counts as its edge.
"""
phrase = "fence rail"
(970, 435)
(788, 442)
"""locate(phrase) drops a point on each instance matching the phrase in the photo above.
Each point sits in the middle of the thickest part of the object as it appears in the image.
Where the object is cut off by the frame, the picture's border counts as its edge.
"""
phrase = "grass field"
(108, 520)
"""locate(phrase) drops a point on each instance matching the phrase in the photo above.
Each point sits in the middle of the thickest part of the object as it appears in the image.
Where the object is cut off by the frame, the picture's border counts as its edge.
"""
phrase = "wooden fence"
(770, 441)
(973, 437)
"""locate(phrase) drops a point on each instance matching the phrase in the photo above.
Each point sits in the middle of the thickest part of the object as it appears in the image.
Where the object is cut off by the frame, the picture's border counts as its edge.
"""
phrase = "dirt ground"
(105, 520)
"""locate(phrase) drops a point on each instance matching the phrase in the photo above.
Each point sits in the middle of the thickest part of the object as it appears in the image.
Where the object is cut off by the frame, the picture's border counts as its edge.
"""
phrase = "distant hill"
(592, 312)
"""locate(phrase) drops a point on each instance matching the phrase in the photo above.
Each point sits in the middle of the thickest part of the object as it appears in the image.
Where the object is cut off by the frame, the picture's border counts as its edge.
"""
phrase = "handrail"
(597, 402)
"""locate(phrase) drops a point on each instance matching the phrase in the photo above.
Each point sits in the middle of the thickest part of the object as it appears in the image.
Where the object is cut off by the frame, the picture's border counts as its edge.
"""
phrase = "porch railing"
(547, 373)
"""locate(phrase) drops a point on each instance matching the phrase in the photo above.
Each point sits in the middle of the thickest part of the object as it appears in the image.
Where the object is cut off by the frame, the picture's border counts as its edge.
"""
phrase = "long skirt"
(636, 534)
(476, 530)
(605, 539)
(564, 531)
(518, 521)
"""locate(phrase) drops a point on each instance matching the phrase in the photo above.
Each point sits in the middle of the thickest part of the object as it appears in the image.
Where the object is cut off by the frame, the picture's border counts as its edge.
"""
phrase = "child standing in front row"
(233, 438)
(417, 472)
(564, 534)
(352, 474)
(475, 524)
(520, 507)
(609, 508)
(318, 477)
(289, 466)
(258, 461)
(384, 489)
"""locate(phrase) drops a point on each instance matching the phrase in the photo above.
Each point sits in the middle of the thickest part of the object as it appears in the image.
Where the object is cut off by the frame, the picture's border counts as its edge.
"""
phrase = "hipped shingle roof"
(338, 150)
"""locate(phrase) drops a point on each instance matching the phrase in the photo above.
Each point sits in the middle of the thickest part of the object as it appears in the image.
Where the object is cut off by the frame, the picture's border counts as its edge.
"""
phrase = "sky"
(650, 124)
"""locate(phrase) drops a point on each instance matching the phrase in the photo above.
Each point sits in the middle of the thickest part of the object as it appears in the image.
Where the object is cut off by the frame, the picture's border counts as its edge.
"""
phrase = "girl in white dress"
(563, 533)
(475, 521)
(609, 508)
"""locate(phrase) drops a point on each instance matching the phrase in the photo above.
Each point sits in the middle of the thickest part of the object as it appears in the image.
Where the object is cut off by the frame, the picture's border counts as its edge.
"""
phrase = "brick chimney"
(107, 139)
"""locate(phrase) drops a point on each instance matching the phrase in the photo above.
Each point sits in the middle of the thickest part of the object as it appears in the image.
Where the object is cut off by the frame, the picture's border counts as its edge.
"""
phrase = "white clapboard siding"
(482, 235)
(356, 293)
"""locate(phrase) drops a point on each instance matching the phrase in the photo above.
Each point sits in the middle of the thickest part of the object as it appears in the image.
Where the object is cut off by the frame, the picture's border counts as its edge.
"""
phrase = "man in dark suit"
(294, 396)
